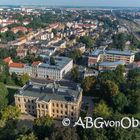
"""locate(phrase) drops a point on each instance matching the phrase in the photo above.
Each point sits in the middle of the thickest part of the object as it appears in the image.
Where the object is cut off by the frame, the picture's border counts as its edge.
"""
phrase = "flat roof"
(109, 64)
(51, 91)
(61, 62)
(116, 52)
(96, 52)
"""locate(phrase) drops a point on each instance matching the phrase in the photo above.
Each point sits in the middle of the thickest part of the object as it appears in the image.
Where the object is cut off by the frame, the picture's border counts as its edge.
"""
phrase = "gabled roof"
(35, 63)
(7, 60)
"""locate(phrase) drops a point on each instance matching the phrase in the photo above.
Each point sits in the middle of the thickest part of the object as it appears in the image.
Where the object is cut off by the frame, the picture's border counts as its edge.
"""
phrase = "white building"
(58, 71)
(44, 70)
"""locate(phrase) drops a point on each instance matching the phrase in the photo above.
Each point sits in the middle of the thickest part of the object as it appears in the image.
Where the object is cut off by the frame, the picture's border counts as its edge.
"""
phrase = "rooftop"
(96, 52)
(51, 91)
(109, 64)
(7, 60)
(60, 63)
(17, 65)
(115, 52)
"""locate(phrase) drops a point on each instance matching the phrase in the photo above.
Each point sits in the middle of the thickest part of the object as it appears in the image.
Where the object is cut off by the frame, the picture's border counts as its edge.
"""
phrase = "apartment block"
(98, 56)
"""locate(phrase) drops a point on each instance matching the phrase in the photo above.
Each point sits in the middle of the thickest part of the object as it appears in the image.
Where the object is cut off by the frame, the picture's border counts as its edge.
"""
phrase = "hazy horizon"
(85, 3)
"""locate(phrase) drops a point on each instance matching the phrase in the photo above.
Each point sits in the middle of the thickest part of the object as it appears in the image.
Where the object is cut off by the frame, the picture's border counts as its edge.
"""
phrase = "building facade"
(51, 99)
(44, 70)
(98, 56)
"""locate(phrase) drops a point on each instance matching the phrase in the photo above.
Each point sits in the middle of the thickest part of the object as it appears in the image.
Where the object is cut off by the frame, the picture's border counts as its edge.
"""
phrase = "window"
(53, 104)
(66, 113)
(32, 101)
(66, 106)
(72, 114)
(28, 106)
(32, 107)
(46, 107)
(61, 112)
(57, 111)
(19, 99)
(53, 111)
(61, 105)
(42, 106)
(72, 107)
(24, 100)
(38, 105)
(57, 105)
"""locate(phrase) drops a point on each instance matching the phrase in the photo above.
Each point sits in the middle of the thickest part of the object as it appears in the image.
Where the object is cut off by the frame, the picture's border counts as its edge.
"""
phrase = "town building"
(110, 55)
(56, 71)
(49, 99)
(8, 60)
(109, 65)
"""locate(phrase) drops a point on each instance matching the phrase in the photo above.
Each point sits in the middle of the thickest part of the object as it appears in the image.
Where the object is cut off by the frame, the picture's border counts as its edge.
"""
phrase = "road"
(89, 102)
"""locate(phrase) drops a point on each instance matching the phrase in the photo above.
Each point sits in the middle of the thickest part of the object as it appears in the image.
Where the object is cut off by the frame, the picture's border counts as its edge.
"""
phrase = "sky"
(115, 3)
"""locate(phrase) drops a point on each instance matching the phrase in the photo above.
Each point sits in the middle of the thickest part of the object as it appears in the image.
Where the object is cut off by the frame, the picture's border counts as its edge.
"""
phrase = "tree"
(75, 55)
(43, 127)
(9, 80)
(52, 61)
(75, 74)
(119, 41)
(137, 56)
(87, 40)
(119, 71)
(109, 89)
(102, 110)
(88, 83)
(107, 75)
(4, 72)
(24, 79)
(7, 36)
(134, 99)
(3, 96)
(123, 134)
(119, 102)
(30, 136)
(10, 112)
(8, 122)
(133, 78)
(64, 133)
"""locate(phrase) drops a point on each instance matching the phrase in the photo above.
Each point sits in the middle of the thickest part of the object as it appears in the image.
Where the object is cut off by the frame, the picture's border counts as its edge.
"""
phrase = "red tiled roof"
(35, 63)
(17, 65)
(21, 28)
(7, 60)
